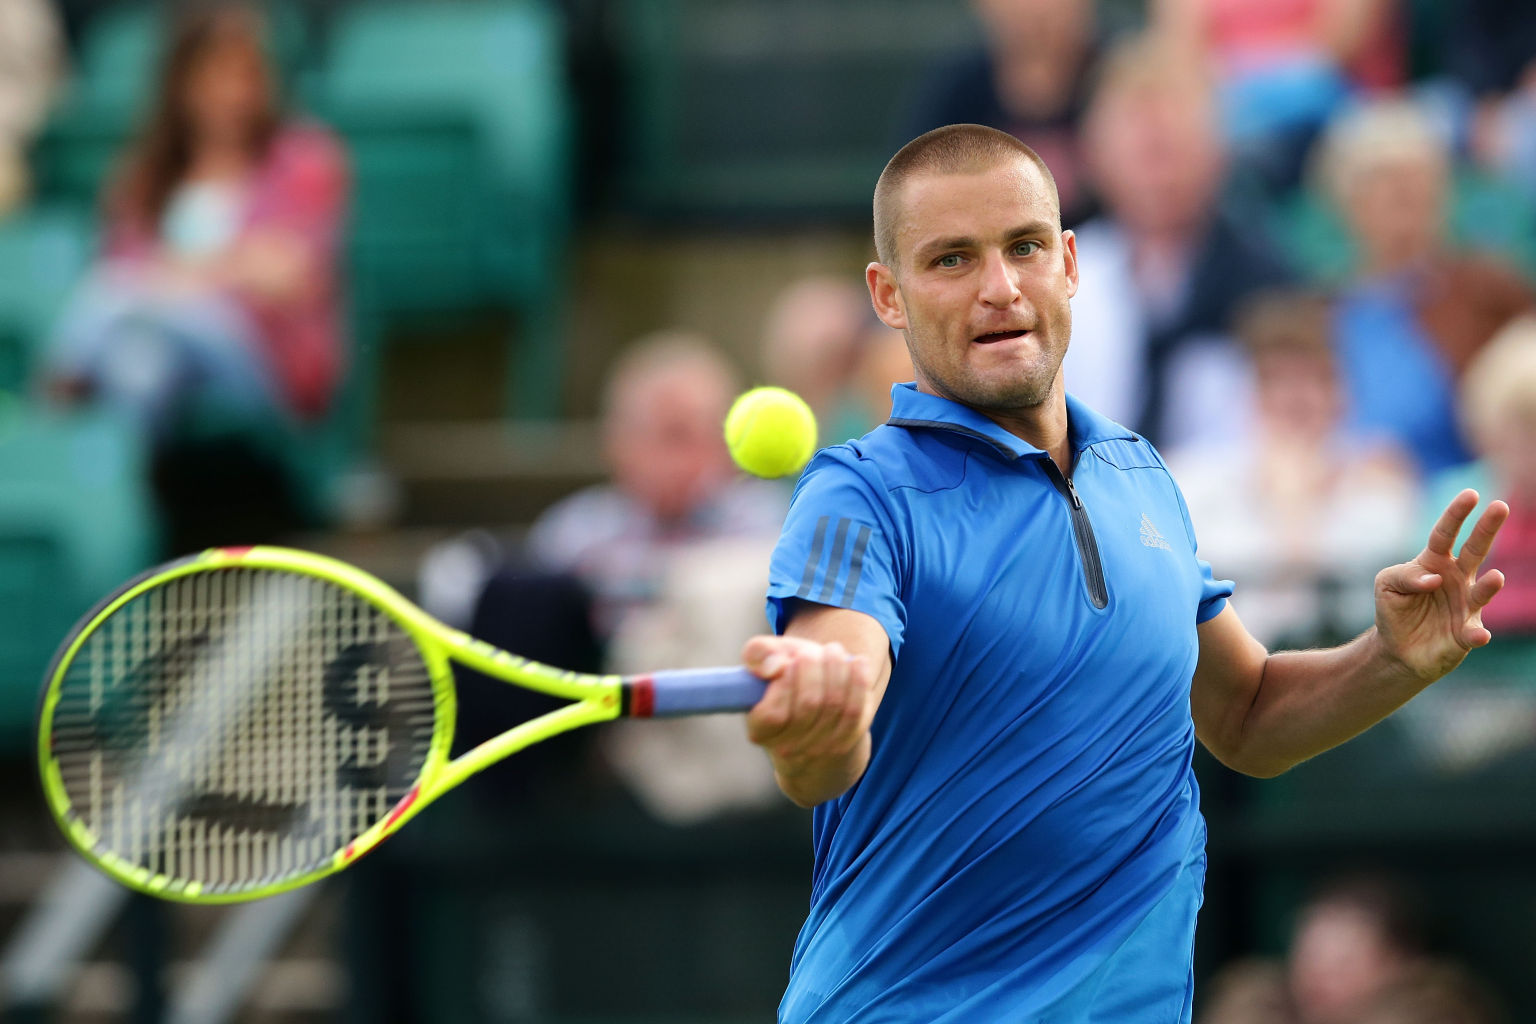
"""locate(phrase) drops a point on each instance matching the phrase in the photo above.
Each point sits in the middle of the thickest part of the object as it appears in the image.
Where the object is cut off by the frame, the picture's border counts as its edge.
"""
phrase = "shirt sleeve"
(1213, 592)
(838, 548)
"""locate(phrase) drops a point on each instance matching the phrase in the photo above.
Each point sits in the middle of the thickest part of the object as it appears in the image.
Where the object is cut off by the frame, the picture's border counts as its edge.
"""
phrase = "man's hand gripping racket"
(247, 720)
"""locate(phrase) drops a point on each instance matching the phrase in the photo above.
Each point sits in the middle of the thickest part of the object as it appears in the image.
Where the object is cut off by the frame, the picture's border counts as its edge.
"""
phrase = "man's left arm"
(1261, 713)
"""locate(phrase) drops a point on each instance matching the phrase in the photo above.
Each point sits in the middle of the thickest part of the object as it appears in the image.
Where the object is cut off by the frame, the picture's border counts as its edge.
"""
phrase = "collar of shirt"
(913, 408)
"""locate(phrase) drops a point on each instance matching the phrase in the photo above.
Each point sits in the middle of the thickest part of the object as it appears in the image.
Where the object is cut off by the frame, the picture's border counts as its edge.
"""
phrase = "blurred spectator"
(1357, 956)
(1030, 80)
(1354, 940)
(1435, 993)
(1301, 509)
(218, 282)
(1247, 992)
(811, 345)
(1417, 308)
(1498, 405)
(1166, 267)
(821, 340)
(31, 58)
(672, 554)
(1504, 135)
(1284, 66)
(883, 361)
(673, 480)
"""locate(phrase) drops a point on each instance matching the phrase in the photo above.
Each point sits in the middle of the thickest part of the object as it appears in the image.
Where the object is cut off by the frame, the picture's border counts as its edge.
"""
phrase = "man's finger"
(835, 662)
(1485, 588)
(774, 715)
(771, 715)
(1443, 536)
(1480, 542)
(856, 713)
(768, 656)
(809, 692)
(1408, 578)
(1477, 636)
(763, 655)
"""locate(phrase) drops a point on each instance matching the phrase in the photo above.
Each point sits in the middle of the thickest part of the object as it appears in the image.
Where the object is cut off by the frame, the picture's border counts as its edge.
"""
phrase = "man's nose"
(999, 282)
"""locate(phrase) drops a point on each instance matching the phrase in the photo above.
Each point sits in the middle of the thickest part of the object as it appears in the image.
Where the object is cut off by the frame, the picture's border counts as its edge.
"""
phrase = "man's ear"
(1069, 257)
(885, 296)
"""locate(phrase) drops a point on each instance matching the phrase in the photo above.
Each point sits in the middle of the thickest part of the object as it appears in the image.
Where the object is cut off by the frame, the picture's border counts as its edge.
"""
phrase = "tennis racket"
(244, 721)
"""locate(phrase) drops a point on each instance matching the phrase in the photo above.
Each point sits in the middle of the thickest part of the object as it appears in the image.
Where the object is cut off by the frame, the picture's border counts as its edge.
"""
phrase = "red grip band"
(642, 697)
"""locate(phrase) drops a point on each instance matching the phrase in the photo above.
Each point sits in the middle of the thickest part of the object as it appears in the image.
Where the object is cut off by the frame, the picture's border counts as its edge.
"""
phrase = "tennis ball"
(771, 432)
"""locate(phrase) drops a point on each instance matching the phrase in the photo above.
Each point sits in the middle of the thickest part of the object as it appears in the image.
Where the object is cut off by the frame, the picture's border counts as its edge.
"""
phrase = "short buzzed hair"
(953, 149)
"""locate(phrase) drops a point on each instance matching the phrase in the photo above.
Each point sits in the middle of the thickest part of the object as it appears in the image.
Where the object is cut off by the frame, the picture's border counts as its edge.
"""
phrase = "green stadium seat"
(735, 108)
(419, 192)
(121, 51)
(459, 123)
(112, 83)
(75, 520)
(43, 252)
(119, 56)
(500, 62)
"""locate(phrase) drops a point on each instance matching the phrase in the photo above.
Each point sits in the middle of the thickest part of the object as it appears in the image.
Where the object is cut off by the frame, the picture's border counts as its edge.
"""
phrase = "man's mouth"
(995, 336)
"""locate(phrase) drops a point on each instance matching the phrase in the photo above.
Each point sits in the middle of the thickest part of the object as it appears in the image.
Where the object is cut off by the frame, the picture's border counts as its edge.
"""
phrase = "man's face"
(228, 88)
(1298, 393)
(1341, 959)
(664, 443)
(1025, 26)
(981, 287)
(1396, 209)
(1156, 156)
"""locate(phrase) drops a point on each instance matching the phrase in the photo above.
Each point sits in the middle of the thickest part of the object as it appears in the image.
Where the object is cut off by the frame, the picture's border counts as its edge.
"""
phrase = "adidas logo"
(1149, 535)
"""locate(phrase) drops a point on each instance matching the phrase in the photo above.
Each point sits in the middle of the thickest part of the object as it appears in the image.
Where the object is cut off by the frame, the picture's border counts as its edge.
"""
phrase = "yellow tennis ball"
(771, 432)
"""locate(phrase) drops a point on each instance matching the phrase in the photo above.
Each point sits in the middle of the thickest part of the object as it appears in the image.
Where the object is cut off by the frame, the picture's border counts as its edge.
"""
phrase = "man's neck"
(1044, 426)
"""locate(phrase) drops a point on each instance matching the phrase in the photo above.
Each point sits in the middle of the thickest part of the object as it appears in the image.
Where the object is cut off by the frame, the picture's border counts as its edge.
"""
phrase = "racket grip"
(691, 691)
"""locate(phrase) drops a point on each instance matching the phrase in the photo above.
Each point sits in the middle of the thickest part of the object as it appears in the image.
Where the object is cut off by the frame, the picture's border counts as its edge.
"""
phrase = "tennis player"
(998, 646)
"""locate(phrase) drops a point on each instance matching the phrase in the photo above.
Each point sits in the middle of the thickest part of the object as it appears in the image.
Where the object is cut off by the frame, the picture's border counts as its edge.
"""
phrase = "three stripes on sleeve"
(835, 563)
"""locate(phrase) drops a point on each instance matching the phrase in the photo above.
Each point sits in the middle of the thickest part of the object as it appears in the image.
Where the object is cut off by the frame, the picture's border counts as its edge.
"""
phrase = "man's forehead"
(980, 203)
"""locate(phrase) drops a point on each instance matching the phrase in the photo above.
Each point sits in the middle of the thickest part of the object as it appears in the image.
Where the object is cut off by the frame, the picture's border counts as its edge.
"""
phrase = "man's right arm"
(826, 676)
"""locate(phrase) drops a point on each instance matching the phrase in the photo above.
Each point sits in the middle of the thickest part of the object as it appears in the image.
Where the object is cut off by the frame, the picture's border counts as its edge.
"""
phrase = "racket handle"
(691, 691)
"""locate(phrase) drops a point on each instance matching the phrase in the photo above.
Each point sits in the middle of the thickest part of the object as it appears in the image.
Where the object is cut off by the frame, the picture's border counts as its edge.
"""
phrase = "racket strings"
(236, 727)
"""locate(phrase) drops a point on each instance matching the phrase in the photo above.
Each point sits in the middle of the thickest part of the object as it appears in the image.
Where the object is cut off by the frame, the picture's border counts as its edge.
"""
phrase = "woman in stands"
(217, 287)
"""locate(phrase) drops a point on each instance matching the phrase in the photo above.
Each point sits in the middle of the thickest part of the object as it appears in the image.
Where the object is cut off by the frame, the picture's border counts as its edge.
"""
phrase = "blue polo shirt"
(1026, 843)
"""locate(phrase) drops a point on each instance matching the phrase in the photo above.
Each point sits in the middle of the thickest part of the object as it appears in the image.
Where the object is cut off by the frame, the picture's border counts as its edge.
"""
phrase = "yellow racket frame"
(596, 698)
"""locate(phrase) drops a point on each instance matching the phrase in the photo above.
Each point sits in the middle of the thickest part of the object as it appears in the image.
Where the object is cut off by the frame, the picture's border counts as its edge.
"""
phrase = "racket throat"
(637, 697)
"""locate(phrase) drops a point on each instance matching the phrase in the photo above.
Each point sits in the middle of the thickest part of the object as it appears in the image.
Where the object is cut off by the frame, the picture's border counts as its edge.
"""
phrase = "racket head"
(241, 722)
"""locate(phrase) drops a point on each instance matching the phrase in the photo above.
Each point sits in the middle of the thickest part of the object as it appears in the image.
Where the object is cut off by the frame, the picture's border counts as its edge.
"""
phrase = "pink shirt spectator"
(1514, 553)
(301, 190)
(1246, 35)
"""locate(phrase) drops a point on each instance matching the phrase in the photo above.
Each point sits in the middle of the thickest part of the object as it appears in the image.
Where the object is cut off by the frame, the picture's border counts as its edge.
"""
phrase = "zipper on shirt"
(1082, 532)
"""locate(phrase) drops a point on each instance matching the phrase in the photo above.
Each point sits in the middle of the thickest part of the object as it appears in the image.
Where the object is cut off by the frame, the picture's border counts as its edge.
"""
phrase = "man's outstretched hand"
(1429, 610)
(825, 679)
(818, 705)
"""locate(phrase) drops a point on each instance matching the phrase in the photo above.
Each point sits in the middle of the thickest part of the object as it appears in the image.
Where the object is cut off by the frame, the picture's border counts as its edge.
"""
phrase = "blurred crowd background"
(459, 290)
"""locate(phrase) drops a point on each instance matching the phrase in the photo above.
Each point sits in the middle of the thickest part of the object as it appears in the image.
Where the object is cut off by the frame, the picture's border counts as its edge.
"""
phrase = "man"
(998, 647)
(1417, 305)
(1172, 257)
(1029, 78)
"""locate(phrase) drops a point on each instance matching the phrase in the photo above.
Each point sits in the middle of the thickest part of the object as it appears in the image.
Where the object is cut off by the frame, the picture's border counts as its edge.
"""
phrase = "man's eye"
(1026, 248)
(949, 262)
